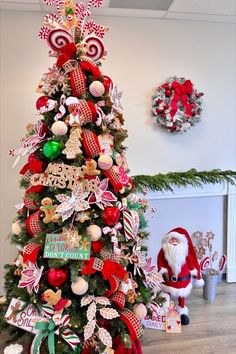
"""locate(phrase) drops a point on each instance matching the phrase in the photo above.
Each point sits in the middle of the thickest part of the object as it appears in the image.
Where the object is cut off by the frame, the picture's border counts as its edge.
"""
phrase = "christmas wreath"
(177, 105)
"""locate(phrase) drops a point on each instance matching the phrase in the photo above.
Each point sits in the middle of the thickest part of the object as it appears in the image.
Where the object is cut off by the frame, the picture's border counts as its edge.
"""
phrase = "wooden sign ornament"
(64, 176)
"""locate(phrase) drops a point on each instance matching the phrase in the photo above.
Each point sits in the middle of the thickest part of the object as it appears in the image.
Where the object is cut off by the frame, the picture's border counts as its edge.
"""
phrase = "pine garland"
(194, 178)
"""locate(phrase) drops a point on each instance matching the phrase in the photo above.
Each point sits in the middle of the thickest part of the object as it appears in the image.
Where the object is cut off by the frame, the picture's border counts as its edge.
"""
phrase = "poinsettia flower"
(148, 267)
(74, 203)
(102, 197)
(30, 277)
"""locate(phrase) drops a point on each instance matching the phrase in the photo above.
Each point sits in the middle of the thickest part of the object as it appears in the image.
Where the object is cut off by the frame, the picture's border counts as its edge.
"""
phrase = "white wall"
(141, 54)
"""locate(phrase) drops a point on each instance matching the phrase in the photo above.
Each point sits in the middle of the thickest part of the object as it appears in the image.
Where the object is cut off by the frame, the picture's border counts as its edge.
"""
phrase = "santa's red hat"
(183, 235)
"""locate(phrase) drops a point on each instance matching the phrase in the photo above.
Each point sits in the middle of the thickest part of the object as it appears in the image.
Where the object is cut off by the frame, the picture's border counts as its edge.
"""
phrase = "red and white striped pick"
(222, 263)
(205, 262)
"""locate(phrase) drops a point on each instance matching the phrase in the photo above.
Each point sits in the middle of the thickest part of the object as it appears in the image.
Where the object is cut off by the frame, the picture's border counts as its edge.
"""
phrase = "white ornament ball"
(105, 162)
(80, 286)
(59, 128)
(140, 311)
(16, 228)
(13, 349)
(95, 232)
(96, 89)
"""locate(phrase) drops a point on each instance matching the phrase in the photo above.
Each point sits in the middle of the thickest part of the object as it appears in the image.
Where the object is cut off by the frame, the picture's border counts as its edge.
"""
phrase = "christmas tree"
(81, 281)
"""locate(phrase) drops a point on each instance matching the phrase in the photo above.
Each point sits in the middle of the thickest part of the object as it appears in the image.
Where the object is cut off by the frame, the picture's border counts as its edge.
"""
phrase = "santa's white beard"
(175, 255)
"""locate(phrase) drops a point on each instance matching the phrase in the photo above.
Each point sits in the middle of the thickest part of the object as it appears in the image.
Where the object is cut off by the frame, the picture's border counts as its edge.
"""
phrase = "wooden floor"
(212, 328)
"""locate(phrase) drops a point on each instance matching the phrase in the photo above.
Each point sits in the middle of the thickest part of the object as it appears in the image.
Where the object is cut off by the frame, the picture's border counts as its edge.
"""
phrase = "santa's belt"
(175, 279)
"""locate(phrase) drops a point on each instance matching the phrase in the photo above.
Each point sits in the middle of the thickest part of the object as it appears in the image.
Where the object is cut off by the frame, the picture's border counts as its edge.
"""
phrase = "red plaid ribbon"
(77, 79)
(119, 299)
(133, 323)
(33, 224)
(30, 252)
(29, 203)
(90, 143)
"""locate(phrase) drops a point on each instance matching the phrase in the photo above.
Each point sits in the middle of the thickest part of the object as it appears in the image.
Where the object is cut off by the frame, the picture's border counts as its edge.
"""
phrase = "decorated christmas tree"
(81, 281)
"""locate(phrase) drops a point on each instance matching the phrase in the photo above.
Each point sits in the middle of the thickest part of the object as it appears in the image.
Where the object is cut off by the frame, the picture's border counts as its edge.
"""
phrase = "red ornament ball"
(111, 215)
(41, 102)
(57, 276)
(107, 83)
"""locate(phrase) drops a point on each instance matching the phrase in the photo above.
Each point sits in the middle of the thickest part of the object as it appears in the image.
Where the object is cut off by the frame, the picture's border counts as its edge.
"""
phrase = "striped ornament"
(128, 225)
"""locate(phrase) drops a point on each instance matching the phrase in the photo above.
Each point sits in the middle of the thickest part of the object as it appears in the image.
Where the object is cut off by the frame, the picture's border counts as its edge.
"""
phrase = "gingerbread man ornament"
(49, 210)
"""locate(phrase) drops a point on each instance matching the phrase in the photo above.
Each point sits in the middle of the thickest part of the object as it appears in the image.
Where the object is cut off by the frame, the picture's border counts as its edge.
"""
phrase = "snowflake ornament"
(72, 237)
(54, 80)
(72, 204)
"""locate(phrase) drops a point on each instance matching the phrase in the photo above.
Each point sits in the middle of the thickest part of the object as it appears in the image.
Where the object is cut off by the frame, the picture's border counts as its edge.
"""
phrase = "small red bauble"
(41, 102)
(57, 276)
(107, 83)
(111, 215)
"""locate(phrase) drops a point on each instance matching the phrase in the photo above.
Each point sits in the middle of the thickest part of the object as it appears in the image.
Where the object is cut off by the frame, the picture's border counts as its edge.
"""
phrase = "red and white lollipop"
(94, 47)
(58, 38)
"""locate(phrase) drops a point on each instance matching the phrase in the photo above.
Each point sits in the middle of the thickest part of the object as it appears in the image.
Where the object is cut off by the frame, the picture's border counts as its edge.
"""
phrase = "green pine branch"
(165, 182)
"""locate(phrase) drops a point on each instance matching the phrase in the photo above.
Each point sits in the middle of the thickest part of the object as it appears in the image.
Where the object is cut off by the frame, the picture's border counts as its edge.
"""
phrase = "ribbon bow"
(111, 271)
(67, 53)
(47, 329)
(50, 328)
(180, 93)
(35, 166)
(113, 230)
(62, 109)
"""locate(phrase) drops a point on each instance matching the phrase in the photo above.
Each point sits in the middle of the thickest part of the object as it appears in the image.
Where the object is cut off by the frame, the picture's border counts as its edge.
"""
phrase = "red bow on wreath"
(180, 93)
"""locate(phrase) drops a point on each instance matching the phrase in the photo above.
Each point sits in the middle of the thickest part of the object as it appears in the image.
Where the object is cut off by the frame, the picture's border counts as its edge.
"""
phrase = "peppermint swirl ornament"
(58, 38)
(177, 105)
(94, 48)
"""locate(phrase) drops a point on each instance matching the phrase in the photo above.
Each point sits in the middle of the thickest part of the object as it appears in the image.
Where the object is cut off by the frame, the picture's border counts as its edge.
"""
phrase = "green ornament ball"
(52, 149)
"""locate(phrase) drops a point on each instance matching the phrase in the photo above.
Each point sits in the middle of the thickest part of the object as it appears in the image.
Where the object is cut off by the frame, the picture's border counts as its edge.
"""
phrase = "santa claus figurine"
(177, 262)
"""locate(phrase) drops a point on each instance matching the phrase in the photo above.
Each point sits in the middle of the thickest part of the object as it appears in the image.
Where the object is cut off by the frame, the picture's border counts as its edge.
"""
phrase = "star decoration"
(102, 197)
(30, 277)
(82, 217)
(74, 203)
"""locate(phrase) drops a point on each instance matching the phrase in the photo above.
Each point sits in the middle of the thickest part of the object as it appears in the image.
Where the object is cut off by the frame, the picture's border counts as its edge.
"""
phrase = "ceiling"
(198, 10)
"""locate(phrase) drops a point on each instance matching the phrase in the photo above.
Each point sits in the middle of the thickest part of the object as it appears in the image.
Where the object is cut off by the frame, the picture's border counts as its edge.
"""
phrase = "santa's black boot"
(183, 311)
(184, 319)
